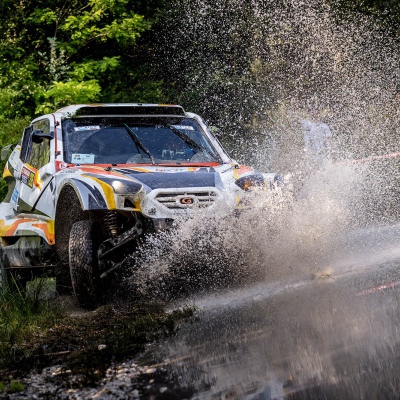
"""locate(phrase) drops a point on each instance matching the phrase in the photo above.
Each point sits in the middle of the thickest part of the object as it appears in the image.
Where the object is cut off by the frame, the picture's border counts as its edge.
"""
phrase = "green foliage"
(64, 93)
(53, 54)
(92, 68)
(11, 130)
(16, 386)
(22, 319)
(103, 20)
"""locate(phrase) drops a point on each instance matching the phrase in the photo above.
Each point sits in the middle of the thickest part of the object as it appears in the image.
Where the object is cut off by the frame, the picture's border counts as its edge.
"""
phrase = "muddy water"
(333, 335)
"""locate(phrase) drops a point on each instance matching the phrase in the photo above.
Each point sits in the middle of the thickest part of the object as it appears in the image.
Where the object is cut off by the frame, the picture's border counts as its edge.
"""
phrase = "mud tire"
(68, 211)
(85, 238)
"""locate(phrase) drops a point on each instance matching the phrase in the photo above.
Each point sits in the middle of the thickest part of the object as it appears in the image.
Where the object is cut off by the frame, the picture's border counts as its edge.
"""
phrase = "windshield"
(135, 140)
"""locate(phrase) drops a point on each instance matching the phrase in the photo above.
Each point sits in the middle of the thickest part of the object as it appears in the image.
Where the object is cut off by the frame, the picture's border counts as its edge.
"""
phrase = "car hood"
(204, 177)
(160, 178)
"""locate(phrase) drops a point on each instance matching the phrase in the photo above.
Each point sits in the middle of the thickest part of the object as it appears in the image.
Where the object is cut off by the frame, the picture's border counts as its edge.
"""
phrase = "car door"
(37, 168)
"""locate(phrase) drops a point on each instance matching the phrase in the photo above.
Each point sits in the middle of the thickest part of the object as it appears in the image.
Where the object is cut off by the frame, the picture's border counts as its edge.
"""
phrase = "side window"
(26, 143)
(36, 154)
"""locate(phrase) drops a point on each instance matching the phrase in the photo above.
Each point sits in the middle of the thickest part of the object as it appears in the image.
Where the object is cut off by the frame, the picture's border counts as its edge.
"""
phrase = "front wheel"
(84, 241)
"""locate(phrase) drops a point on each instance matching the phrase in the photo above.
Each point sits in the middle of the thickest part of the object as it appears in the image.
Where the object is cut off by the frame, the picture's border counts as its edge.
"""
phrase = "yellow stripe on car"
(6, 172)
(108, 192)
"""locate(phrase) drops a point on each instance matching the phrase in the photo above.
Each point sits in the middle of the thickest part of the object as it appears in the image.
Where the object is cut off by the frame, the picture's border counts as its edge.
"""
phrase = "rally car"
(88, 181)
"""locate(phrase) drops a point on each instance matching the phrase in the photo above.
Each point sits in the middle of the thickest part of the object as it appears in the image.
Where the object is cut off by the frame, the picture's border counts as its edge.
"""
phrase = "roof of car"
(114, 109)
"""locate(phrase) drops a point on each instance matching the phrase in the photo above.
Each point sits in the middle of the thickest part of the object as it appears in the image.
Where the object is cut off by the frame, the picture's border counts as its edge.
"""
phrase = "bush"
(23, 320)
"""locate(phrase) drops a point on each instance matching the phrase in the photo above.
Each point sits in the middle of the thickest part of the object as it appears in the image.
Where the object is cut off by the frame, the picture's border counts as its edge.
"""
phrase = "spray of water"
(258, 69)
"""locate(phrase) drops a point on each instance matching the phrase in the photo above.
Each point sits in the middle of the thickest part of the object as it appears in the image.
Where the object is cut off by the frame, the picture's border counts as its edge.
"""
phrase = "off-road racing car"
(88, 181)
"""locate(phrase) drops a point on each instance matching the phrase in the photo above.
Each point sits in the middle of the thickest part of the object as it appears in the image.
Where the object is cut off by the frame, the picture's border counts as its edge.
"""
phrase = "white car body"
(52, 186)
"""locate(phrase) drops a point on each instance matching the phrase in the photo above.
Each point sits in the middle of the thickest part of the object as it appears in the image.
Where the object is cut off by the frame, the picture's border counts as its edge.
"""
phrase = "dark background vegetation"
(54, 53)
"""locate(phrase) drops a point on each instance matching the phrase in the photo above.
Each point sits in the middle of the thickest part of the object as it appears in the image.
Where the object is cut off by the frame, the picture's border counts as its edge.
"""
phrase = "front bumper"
(172, 202)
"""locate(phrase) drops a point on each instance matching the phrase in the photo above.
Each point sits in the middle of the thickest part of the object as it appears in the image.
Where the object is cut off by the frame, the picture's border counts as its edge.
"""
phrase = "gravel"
(124, 381)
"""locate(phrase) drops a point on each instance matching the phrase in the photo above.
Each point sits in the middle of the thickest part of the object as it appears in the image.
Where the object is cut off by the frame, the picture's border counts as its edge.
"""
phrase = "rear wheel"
(84, 241)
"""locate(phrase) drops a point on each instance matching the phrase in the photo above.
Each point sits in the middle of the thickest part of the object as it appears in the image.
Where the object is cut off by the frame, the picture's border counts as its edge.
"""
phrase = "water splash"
(257, 69)
(285, 233)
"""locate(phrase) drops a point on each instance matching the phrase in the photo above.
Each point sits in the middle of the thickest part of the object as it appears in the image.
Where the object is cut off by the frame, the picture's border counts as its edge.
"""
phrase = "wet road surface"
(328, 330)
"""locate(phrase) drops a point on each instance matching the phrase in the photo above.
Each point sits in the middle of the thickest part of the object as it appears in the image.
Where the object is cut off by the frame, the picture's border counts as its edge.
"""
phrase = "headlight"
(250, 181)
(279, 181)
(121, 186)
(126, 187)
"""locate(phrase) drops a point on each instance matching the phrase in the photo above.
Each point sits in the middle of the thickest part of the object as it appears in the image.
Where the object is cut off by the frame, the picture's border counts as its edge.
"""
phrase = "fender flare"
(93, 194)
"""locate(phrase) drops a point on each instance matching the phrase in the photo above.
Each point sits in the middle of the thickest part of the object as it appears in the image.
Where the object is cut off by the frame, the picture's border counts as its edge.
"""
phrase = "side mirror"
(38, 136)
(5, 150)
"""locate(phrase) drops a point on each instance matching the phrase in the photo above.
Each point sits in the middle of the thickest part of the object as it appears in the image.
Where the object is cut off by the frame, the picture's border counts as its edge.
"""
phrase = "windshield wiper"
(190, 141)
(139, 143)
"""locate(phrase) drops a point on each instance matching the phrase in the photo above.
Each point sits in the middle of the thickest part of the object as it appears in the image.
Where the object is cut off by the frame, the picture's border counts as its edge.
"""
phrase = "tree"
(54, 53)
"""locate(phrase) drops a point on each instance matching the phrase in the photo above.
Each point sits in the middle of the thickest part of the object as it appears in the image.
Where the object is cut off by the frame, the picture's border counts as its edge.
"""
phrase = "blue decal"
(14, 197)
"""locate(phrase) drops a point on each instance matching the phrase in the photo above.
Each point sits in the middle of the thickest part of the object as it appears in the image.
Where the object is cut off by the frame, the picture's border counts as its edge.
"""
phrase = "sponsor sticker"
(14, 198)
(184, 169)
(27, 177)
(31, 178)
(69, 171)
(82, 158)
(86, 128)
(185, 127)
